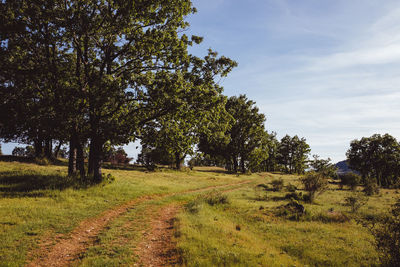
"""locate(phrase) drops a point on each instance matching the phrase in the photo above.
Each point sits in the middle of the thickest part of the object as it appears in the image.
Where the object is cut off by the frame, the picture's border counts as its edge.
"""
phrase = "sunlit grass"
(210, 237)
(31, 209)
(40, 201)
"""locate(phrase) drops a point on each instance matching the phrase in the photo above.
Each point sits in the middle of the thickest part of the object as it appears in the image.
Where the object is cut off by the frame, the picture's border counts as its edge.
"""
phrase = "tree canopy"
(376, 157)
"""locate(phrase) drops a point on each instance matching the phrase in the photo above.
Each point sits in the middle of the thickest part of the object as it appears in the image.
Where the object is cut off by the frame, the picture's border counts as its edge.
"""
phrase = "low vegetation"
(277, 231)
(250, 224)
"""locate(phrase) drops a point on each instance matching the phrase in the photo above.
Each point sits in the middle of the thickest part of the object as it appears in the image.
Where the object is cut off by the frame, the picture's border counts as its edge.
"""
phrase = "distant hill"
(343, 167)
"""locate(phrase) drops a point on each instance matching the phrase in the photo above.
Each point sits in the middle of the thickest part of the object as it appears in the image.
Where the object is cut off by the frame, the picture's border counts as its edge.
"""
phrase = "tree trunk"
(38, 144)
(48, 148)
(235, 164)
(57, 151)
(80, 160)
(242, 165)
(95, 158)
(90, 161)
(177, 161)
(72, 156)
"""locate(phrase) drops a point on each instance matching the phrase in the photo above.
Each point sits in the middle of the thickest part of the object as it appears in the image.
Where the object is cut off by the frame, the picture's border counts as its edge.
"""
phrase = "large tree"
(33, 71)
(293, 154)
(376, 157)
(103, 69)
(243, 138)
(178, 132)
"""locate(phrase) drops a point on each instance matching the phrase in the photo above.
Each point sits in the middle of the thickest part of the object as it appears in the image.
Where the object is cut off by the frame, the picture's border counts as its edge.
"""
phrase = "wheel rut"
(68, 248)
(158, 247)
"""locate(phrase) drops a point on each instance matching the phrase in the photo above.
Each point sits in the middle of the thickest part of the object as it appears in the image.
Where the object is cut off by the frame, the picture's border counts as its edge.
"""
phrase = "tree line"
(236, 140)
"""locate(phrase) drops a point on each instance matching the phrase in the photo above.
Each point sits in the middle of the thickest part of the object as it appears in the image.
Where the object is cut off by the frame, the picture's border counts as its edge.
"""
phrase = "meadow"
(232, 222)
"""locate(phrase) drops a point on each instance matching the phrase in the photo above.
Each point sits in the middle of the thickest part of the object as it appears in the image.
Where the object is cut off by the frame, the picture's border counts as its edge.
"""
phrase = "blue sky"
(324, 70)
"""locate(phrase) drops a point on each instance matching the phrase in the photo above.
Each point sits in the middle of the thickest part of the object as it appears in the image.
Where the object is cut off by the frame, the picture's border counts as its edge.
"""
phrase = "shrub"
(260, 192)
(263, 186)
(192, 206)
(387, 236)
(293, 210)
(215, 198)
(277, 184)
(18, 151)
(355, 202)
(371, 188)
(350, 179)
(315, 184)
(331, 217)
(291, 188)
(294, 195)
(42, 161)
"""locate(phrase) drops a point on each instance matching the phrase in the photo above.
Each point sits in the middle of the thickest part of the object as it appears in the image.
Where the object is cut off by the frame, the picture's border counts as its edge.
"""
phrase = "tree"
(33, 72)
(376, 157)
(239, 142)
(117, 156)
(18, 151)
(271, 163)
(323, 166)
(177, 132)
(92, 72)
(293, 154)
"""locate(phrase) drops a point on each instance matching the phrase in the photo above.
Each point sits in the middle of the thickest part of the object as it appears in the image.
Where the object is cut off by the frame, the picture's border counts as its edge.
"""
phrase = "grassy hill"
(216, 219)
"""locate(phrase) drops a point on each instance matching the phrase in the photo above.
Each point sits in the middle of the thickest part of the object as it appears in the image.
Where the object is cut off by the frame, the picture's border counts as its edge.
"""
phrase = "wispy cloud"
(333, 91)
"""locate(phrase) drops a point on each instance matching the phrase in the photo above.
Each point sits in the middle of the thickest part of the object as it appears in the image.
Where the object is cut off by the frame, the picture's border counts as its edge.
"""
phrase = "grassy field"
(39, 202)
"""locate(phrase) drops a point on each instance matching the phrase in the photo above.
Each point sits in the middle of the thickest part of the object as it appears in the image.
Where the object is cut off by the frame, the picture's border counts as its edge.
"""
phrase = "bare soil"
(158, 247)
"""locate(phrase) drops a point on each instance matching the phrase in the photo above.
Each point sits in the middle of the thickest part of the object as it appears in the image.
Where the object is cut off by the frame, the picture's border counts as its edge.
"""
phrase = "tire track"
(68, 248)
(158, 247)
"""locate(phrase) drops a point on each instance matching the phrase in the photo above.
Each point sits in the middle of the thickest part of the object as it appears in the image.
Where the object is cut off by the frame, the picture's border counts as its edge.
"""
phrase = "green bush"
(192, 206)
(355, 202)
(215, 197)
(42, 161)
(294, 195)
(350, 179)
(291, 188)
(292, 211)
(315, 184)
(277, 185)
(371, 187)
(331, 217)
(387, 236)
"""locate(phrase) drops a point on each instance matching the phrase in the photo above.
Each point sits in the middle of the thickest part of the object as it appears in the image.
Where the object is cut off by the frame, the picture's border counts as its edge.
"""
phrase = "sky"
(324, 70)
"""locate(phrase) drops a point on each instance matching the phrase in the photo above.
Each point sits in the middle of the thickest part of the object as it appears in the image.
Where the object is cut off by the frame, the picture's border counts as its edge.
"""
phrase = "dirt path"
(68, 248)
(158, 247)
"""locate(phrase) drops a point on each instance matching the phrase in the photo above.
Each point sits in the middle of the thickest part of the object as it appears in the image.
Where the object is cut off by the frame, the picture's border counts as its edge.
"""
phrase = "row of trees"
(91, 73)
(236, 139)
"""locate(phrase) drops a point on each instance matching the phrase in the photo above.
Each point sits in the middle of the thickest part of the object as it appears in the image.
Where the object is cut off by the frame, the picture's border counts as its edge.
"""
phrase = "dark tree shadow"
(214, 171)
(17, 184)
(9, 158)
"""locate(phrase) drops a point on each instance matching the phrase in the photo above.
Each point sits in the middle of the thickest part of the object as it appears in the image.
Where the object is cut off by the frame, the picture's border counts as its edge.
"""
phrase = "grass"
(236, 228)
(38, 201)
(210, 237)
